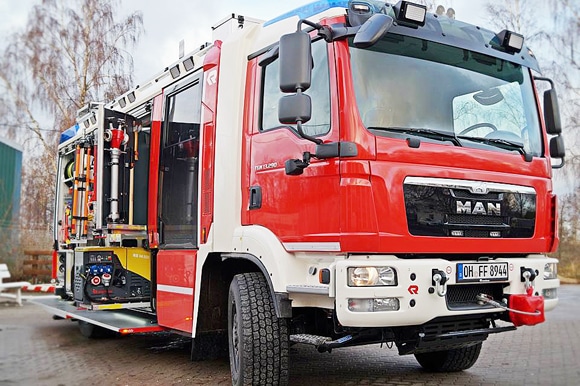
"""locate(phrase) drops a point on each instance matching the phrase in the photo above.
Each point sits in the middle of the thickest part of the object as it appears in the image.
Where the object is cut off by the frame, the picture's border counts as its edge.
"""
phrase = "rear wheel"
(450, 360)
(89, 330)
(258, 339)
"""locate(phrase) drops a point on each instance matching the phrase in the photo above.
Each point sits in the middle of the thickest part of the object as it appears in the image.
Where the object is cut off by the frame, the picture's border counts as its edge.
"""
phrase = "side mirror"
(552, 113)
(372, 30)
(293, 109)
(295, 62)
(557, 150)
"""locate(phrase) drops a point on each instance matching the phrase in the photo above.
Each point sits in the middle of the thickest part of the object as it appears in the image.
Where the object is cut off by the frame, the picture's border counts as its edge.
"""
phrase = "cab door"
(178, 204)
(301, 210)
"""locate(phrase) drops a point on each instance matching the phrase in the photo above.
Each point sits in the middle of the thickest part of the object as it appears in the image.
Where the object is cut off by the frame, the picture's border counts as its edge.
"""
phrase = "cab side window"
(319, 92)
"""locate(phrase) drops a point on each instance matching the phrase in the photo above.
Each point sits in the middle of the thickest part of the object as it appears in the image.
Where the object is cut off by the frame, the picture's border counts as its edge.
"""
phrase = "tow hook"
(528, 276)
(440, 281)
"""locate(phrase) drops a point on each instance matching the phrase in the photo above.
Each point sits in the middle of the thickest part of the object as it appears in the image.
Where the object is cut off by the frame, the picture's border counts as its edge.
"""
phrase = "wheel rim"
(235, 340)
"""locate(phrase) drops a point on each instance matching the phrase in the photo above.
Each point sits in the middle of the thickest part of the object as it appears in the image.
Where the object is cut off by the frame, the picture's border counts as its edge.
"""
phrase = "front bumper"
(421, 300)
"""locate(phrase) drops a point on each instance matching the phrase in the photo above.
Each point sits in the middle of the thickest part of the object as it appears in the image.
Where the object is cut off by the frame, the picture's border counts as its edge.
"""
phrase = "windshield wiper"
(422, 132)
(502, 144)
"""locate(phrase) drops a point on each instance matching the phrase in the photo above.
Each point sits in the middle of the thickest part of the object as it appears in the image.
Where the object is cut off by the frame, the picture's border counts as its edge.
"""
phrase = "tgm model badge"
(469, 207)
(271, 165)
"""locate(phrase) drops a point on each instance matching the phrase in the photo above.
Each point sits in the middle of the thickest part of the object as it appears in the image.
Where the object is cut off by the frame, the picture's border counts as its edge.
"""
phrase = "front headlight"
(550, 271)
(371, 276)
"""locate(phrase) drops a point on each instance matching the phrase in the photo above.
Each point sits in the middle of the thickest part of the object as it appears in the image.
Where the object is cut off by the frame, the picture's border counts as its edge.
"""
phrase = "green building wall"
(10, 183)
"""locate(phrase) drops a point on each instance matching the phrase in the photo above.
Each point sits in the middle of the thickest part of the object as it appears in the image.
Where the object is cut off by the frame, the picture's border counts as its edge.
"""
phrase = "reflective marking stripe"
(175, 289)
(331, 246)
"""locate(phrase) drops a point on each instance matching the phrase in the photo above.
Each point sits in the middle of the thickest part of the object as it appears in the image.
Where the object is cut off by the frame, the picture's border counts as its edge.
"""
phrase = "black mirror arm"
(302, 134)
(316, 26)
(339, 32)
(329, 34)
(560, 165)
(545, 80)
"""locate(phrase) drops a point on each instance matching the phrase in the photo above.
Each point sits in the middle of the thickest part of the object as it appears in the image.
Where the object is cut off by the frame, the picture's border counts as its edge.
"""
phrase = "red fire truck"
(348, 173)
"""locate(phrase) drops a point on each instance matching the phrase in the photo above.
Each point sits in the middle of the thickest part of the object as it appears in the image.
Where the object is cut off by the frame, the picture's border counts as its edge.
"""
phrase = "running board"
(123, 321)
(314, 340)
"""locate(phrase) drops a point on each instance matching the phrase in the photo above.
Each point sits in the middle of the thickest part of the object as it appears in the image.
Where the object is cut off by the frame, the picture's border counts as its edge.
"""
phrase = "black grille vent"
(461, 297)
(439, 210)
(460, 193)
(467, 219)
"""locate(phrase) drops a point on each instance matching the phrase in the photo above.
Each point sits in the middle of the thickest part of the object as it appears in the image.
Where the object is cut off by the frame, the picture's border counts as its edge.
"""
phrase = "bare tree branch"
(63, 59)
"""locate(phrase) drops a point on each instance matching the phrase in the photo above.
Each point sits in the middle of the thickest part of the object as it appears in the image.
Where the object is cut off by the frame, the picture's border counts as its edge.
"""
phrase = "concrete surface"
(36, 350)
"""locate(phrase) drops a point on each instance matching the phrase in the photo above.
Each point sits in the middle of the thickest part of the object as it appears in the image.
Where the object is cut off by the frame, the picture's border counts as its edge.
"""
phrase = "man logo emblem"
(467, 207)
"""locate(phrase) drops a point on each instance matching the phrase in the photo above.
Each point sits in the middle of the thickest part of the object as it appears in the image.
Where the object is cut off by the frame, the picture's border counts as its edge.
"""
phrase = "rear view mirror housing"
(552, 113)
(295, 108)
(557, 150)
(372, 30)
(295, 62)
(553, 122)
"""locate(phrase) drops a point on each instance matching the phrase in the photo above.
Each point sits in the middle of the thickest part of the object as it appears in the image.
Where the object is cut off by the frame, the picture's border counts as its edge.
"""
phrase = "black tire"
(457, 359)
(89, 330)
(258, 339)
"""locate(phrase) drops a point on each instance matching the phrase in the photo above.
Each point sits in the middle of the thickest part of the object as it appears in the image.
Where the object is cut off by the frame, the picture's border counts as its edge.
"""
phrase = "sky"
(191, 20)
(168, 22)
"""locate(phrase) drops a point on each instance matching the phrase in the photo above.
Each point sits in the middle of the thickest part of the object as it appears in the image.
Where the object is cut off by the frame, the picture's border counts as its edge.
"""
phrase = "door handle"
(255, 197)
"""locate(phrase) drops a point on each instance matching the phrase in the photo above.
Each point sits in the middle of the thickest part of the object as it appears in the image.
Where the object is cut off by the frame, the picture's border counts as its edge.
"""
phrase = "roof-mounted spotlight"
(360, 8)
(122, 102)
(175, 71)
(410, 14)
(511, 41)
(359, 12)
(131, 96)
(188, 64)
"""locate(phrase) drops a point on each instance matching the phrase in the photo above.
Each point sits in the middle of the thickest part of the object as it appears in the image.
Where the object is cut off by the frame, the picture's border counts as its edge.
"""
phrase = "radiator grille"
(465, 219)
(462, 193)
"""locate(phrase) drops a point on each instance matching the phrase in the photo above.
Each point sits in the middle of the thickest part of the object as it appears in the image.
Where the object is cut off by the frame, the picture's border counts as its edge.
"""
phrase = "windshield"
(405, 82)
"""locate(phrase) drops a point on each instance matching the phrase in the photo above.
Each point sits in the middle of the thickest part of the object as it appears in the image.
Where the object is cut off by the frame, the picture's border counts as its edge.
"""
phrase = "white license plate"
(481, 272)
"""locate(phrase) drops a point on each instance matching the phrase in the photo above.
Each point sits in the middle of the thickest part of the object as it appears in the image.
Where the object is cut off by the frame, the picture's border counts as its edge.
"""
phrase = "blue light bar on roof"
(309, 10)
(69, 133)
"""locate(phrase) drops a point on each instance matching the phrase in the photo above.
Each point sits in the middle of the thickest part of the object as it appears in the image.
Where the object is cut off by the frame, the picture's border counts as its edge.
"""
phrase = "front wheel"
(258, 339)
(457, 359)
